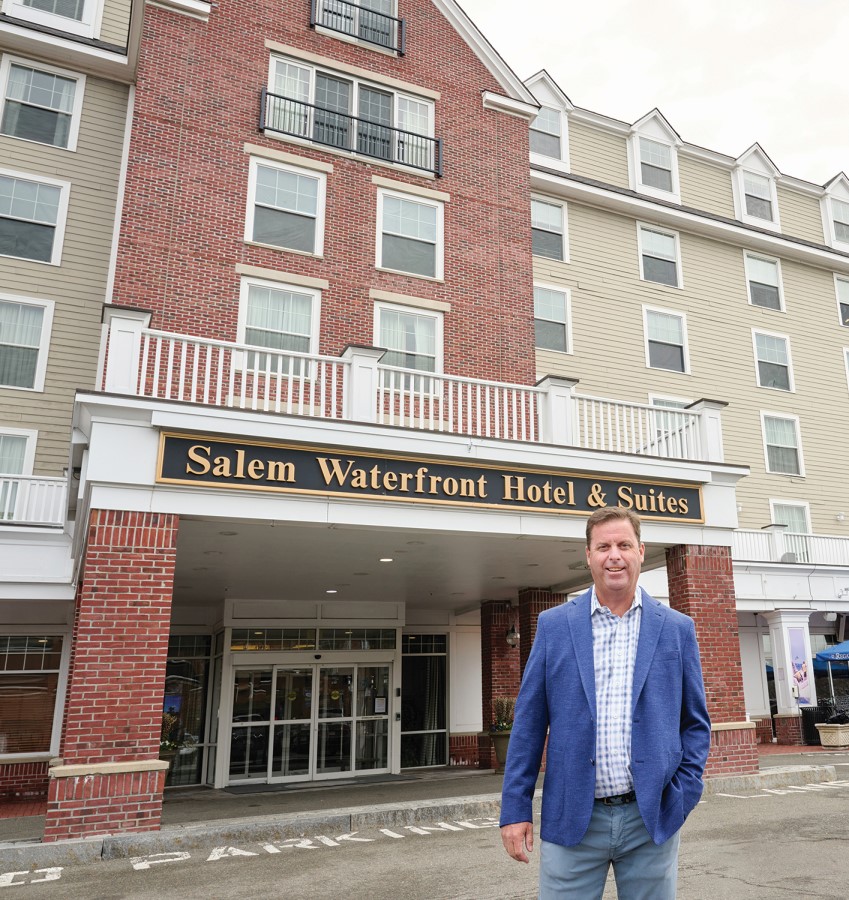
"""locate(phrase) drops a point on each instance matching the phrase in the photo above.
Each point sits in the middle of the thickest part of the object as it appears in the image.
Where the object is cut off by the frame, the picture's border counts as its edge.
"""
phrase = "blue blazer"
(670, 736)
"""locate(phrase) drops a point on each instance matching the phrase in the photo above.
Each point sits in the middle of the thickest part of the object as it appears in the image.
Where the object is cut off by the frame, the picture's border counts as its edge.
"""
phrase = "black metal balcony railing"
(364, 24)
(335, 129)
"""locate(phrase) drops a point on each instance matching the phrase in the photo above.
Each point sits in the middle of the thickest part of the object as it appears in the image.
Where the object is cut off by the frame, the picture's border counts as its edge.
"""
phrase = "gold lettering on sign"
(200, 455)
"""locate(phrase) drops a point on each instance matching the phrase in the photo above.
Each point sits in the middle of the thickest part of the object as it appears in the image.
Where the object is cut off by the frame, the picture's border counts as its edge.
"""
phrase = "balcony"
(31, 500)
(356, 21)
(298, 119)
(776, 545)
(356, 387)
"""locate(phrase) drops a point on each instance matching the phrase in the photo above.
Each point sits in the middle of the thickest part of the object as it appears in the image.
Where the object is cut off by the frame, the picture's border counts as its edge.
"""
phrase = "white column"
(710, 427)
(556, 414)
(122, 359)
(359, 398)
(792, 664)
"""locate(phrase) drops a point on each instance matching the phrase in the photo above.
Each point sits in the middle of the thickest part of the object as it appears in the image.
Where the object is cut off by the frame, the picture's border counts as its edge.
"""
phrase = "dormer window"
(653, 158)
(80, 17)
(835, 212)
(840, 220)
(546, 133)
(755, 195)
(656, 165)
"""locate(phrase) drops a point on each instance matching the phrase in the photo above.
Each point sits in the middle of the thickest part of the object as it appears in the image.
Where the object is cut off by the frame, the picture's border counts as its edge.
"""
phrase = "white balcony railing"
(776, 545)
(356, 387)
(32, 500)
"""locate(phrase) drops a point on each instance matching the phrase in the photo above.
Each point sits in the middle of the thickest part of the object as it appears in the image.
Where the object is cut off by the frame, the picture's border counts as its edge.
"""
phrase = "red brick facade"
(20, 780)
(788, 730)
(701, 585)
(463, 750)
(532, 601)
(183, 230)
(113, 711)
(499, 668)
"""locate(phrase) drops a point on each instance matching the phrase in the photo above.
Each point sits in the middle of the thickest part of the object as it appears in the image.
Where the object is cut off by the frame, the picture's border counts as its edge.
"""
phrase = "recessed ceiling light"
(228, 533)
(331, 591)
(533, 565)
(498, 578)
(212, 553)
(386, 559)
(458, 594)
(415, 543)
(362, 573)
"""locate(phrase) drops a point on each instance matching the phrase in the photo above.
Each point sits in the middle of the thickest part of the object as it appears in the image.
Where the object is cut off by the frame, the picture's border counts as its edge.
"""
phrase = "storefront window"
(183, 738)
(424, 736)
(29, 678)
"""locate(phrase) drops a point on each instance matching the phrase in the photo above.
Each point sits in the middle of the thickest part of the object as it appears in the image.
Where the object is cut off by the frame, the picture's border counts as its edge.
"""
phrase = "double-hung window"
(795, 518)
(757, 196)
(772, 361)
(659, 256)
(840, 220)
(79, 17)
(409, 234)
(413, 340)
(40, 104)
(17, 451)
(547, 229)
(763, 278)
(656, 165)
(666, 340)
(842, 288)
(371, 21)
(546, 131)
(282, 318)
(336, 110)
(32, 217)
(286, 207)
(551, 319)
(782, 444)
(24, 339)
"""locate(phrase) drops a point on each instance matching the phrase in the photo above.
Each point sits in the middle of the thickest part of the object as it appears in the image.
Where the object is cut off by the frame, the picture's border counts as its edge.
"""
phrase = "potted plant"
(169, 739)
(503, 709)
(835, 732)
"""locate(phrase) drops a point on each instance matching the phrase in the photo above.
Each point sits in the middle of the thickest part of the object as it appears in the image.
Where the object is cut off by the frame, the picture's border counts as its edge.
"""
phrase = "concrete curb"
(229, 832)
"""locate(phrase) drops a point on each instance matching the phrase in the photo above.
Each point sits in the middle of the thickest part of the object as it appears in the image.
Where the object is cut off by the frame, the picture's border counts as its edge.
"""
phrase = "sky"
(725, 73)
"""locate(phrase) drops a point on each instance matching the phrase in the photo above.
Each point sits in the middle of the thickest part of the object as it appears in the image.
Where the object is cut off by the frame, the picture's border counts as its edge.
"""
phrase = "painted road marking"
(13, 879)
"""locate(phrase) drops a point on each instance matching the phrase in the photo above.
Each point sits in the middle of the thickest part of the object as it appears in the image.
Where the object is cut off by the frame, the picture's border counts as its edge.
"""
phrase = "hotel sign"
(323, 471)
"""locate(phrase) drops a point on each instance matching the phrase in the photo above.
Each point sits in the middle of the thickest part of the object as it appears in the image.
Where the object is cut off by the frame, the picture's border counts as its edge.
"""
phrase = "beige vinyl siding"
(705, 187)
(800, 215)
(609, 353)
(77, 286)
(598, 154)
(115, 25)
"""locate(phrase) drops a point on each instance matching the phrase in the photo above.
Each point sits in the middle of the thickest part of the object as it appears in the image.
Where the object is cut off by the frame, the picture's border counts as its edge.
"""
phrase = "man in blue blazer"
(615, 682)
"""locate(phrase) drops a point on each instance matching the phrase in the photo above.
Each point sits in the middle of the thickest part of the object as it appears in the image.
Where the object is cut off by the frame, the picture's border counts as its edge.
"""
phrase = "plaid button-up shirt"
(614, 652)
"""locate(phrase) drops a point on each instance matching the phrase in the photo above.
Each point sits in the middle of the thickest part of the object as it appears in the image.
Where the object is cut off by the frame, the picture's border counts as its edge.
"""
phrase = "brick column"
(111, 779)
(701, 584)
(532, 601)
(499, 669)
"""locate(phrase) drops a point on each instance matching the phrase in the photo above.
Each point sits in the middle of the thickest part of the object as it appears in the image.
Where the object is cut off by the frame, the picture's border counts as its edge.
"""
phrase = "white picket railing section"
(790, 547)
(32, 500)
(457, 405)
(614, 425)
(221, 373)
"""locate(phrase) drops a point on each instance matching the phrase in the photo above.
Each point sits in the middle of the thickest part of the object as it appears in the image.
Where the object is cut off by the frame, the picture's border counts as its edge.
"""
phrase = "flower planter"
(500, 740)
(836, 736)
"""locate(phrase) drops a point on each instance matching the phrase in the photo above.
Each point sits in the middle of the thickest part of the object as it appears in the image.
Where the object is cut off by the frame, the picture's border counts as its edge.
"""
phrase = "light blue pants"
(617, 835)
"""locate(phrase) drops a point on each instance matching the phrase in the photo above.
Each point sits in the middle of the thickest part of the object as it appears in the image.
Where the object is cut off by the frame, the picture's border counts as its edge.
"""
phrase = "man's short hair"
(608, 514)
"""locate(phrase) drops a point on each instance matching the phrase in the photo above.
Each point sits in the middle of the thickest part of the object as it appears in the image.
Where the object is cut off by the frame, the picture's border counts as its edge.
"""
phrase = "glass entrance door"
(297, 723)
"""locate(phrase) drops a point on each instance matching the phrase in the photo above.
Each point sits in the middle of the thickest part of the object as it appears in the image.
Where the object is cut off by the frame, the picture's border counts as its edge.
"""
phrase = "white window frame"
(755, 332)
(767, 259)
(61, 217)
(789, 417)
(356, 84)
(668, 233)
(43, 345)
(79, 90)
(61, 682)
(321, 203)
(564, 226)
(831, 231)
(31, 437)
(543, 158)
(439, 331)
(655, 129)
(439, 260)
(567, 303)
(740, 198)
(88, 26)
(800, 504)
(846, 363)
(837, 281)
(685, 342)
(241, 358)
